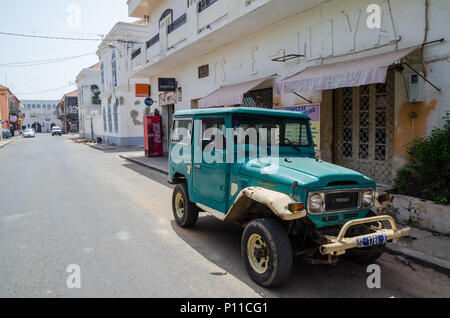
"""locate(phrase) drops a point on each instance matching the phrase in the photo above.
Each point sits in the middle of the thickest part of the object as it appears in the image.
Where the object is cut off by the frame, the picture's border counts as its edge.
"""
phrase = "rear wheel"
(184, 211)
(267, 252)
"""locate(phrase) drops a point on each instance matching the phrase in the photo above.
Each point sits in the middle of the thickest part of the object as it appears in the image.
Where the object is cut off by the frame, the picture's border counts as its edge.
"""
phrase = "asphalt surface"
(63, 203)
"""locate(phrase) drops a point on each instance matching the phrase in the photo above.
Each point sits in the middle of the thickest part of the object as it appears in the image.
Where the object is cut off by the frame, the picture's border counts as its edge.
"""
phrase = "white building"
(89, 102)
(122, 112)
(40, 115)
(366, 122)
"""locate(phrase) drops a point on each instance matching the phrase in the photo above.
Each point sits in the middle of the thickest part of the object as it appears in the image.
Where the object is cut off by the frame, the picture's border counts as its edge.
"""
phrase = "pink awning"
(356, 72)
(229, 95)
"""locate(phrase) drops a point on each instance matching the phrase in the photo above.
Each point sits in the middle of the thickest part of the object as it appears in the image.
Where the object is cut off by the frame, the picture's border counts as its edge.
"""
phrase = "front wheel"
(184, 211)
(267, 252)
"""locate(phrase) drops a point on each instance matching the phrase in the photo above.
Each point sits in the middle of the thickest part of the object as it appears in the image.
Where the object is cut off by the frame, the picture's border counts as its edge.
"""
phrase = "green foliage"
(96, 98)
(427, 176)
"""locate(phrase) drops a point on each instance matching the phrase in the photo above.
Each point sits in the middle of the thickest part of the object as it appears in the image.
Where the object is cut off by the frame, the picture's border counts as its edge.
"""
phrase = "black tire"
(366, 255)
(278, 248)
(188, 218)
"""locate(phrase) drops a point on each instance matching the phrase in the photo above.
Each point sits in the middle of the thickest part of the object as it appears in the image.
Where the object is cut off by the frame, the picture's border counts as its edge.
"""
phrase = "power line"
(49, 31)
(48, 37)
(43, 62)
(47, 91)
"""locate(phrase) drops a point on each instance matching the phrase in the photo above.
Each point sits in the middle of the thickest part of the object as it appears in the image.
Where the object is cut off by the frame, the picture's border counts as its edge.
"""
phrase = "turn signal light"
(296, 207)
(384, 197)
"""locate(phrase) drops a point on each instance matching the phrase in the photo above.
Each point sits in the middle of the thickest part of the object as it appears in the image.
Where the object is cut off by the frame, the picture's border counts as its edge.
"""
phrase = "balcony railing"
(135, 54)
(205, 4)
(153, 41)
(177, 23)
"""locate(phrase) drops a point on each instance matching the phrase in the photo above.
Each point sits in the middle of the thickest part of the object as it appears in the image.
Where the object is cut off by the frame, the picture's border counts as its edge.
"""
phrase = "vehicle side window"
(208, 123)
(297, 133)
(182, 131)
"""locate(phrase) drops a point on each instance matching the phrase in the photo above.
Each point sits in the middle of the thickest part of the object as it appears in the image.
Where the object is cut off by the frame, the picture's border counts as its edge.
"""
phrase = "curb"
(439, 265)
(144, 165)
(7, 143)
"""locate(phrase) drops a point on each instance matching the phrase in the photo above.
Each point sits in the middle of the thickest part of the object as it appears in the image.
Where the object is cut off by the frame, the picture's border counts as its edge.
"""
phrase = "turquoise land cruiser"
(291, 204)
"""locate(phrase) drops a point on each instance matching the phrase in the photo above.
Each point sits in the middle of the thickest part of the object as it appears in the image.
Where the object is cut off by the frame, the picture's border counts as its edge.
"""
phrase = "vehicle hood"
(308, 172)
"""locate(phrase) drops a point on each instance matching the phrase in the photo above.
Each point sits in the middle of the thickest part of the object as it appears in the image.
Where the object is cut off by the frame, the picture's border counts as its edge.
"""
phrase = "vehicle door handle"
(197, 167)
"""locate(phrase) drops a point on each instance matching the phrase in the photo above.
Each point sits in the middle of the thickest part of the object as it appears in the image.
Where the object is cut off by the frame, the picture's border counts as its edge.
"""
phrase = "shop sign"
(142, 90)
(167, 84)
(313, 112)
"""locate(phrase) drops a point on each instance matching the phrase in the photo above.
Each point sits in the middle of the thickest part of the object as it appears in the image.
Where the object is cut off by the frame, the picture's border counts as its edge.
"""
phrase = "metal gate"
(364, 129)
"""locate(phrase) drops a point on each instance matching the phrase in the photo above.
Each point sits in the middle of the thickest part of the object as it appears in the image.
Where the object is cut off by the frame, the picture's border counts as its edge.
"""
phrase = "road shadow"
(154, 175)
(220, 243)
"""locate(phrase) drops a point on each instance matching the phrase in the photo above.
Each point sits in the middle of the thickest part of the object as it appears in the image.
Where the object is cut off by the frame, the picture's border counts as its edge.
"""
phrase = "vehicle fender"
(276, 201)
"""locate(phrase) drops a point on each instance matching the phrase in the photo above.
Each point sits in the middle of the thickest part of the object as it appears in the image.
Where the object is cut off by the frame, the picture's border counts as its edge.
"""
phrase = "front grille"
(341, 201)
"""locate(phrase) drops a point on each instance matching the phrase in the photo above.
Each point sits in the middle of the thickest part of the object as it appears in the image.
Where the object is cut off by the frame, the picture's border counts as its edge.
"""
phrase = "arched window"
(95, 93)
(114, 69)
(105, 127)
(109, 119)
(166, 18)
(116, 118)
(102, 75)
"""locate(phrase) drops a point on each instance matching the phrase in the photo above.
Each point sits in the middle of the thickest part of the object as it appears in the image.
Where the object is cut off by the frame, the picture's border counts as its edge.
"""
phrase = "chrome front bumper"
(338, 245)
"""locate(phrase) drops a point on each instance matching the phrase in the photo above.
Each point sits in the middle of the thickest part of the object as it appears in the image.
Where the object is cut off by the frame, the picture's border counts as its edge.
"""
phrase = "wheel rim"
(258, 254)
(179, 205)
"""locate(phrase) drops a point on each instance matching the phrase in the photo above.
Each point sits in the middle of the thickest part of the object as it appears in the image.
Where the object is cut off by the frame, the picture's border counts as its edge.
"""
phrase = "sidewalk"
(426, 248)
(5, 142)
(158, 164)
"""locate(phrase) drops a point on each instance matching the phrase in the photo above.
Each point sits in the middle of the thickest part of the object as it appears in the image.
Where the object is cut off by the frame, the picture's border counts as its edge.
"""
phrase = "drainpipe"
(427, 27)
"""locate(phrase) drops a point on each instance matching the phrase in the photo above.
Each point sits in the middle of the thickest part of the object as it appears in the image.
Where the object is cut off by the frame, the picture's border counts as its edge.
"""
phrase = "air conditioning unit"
(416, 88)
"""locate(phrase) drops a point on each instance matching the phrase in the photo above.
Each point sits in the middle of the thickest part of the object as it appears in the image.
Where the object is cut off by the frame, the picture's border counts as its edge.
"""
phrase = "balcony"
(210, 24)
(141, 8)
(137, 8)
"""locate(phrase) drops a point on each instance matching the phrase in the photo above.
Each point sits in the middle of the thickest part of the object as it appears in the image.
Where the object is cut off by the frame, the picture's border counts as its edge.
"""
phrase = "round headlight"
(316, 203)
(368, 198)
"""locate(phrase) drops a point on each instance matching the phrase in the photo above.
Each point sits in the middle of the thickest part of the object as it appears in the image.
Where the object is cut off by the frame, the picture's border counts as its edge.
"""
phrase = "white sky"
(52, 18)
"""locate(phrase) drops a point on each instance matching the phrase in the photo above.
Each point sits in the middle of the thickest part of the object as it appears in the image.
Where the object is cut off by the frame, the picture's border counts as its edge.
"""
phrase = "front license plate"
(372, 240)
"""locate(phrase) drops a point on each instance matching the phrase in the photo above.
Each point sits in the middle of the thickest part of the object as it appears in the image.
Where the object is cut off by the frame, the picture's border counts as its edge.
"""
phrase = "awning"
(356, 72)
(230, 95)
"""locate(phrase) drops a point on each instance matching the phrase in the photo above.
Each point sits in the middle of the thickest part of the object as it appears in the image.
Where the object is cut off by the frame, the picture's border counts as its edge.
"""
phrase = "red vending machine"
(153, 137)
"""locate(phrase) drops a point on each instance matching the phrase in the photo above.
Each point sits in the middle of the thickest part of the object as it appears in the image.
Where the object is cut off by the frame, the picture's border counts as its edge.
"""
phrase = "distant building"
(68, 112)
(40, 115)
(122, 110)
(360, 81)
(10, 109)
(89, 102)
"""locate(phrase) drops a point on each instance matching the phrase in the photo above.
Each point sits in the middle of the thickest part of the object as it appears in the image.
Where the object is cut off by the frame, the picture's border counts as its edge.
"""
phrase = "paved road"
(63, 203)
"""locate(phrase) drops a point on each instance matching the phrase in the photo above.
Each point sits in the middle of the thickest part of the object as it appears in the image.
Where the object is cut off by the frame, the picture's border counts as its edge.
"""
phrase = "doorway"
(37, 127)
(168, 111)
(364, 129)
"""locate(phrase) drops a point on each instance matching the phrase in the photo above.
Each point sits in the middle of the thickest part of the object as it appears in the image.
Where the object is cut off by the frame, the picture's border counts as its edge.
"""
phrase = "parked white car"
(29, 133)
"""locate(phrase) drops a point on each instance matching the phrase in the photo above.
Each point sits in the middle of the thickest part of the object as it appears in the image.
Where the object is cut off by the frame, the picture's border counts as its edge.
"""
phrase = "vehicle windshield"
(288, 131)
(28, 130)
(56, 128)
